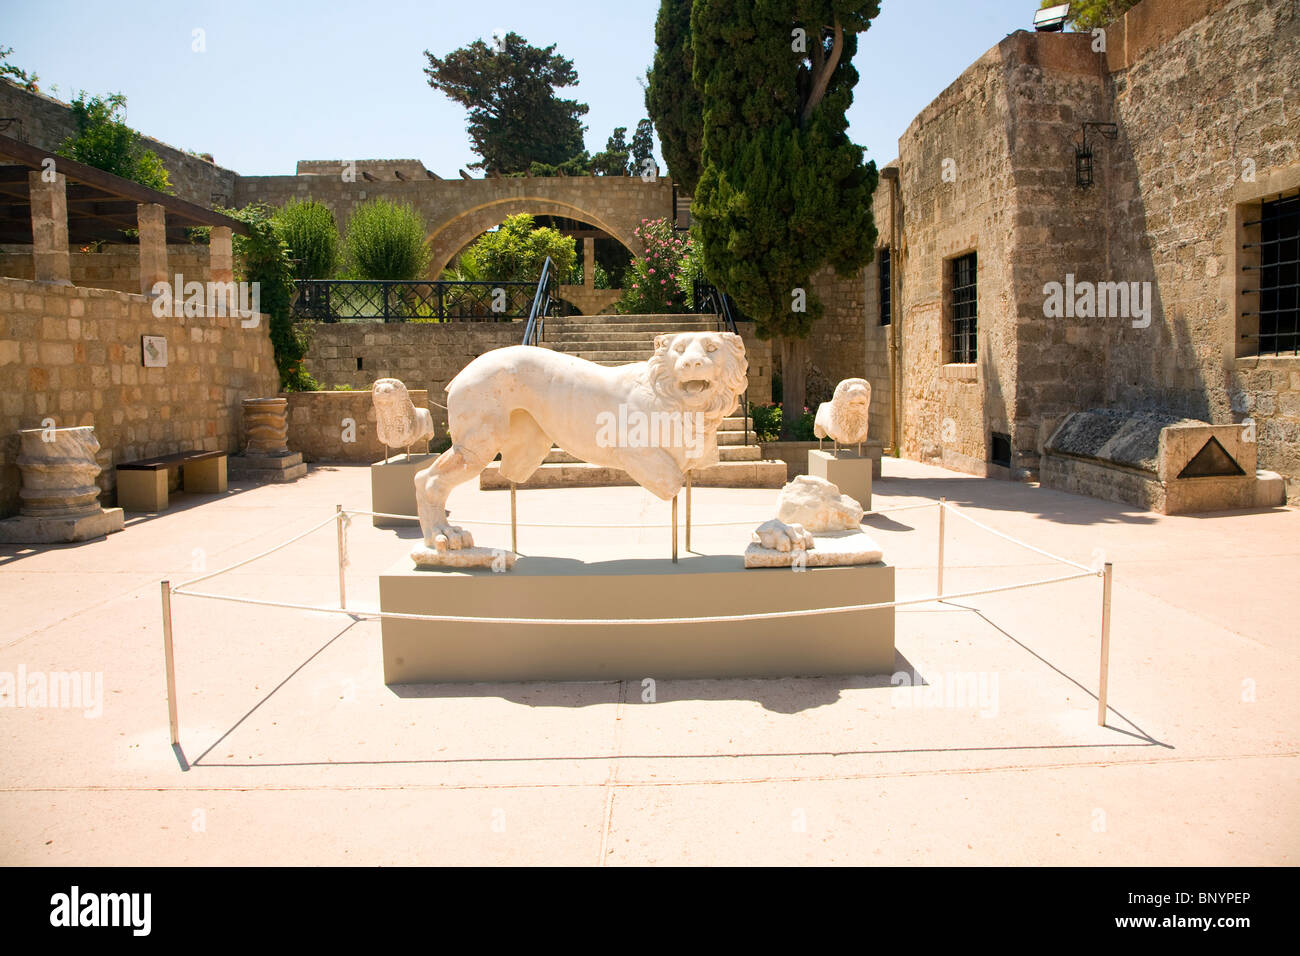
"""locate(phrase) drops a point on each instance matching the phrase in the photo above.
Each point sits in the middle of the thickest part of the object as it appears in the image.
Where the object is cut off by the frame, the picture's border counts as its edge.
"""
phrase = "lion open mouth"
(696, 386)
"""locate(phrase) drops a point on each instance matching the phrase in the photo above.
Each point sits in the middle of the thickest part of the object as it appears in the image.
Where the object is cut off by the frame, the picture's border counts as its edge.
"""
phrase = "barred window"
(1279, 276)
(882, 256)
(963, 304)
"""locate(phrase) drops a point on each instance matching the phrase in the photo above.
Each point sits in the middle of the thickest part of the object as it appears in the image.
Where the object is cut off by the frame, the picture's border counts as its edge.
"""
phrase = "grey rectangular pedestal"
(392, 488)
(845, 470)
(860, 642)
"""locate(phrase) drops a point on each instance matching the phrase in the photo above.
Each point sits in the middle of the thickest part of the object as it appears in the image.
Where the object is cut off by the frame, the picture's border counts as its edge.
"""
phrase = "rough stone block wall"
(424, 355)
(73, 355)
(114, 267)
(47, 122)
(459, 211)
(339, 426)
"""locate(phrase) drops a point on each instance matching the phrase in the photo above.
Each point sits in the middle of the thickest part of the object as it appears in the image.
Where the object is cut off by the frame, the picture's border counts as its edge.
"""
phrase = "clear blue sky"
(284, 81)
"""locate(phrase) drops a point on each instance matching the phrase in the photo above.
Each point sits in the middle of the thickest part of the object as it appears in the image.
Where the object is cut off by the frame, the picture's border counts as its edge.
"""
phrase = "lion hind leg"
(525, 448)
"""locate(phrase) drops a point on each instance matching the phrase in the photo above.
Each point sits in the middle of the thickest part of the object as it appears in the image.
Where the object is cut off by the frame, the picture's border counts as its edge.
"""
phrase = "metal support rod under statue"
(674, 529)
(514, 519)
(688, 511)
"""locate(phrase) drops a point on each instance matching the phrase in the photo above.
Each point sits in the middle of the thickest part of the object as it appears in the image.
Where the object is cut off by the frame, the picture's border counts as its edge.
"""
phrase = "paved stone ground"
(298, 753)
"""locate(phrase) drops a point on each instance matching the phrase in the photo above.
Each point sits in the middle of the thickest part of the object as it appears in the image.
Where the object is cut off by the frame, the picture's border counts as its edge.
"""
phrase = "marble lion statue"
(844, 417)
(398, 423)
(655, 419)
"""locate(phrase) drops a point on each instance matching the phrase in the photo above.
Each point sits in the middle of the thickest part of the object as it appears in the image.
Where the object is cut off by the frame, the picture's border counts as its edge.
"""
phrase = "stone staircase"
(618, 340)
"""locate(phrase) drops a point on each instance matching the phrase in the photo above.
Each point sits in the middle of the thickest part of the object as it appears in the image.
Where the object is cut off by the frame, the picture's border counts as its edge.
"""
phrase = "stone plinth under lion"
(521, 400)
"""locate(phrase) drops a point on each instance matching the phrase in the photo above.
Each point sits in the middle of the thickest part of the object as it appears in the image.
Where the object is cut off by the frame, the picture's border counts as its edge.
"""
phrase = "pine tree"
(643, 149)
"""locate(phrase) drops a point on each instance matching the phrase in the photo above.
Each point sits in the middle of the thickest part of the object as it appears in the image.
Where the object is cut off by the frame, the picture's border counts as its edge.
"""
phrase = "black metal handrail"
(705, 293)
(541, 305)
(393, 300)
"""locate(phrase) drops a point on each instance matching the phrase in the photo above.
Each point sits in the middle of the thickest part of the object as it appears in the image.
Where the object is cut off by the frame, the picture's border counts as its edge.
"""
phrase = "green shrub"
(767, 423)
(312, 236)
(659, 279)
(102, 140)
(263, 257)
(516, 252)
(386, 240)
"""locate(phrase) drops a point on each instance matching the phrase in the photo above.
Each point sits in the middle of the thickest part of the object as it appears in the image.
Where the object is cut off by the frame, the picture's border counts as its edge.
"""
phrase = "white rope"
(1023, 544)
(694, 524)
(204, 577)
(600, 621)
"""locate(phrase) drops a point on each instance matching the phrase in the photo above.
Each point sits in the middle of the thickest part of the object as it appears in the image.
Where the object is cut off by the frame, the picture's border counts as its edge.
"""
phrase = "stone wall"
(989, 167)
(114, 267)
(339, 426)
(73, 355)
(47, 122)
(424, 355)
(458, 211)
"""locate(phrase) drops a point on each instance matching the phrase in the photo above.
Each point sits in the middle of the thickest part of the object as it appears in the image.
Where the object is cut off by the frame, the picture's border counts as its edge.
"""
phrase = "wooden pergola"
(100, 205)
(54, 204)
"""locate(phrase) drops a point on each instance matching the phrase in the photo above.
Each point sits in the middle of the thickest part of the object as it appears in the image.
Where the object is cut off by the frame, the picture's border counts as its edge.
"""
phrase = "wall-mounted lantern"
(1083, 152)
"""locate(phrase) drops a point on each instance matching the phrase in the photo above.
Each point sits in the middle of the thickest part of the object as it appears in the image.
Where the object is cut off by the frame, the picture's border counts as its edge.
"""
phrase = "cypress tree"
(782, 191)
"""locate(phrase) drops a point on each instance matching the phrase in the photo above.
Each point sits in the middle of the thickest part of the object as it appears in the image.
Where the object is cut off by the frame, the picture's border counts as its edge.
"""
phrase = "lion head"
(849, 407)
(703, 372)
(398, 422)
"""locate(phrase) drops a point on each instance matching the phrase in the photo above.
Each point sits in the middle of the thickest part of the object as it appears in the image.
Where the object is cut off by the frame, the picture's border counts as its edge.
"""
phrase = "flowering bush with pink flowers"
(660, 278)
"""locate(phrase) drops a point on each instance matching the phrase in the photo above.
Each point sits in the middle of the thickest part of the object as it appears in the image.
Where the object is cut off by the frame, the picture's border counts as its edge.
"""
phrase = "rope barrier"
(1023, 544)
(600, 621)
(697, 524)
(213, 574)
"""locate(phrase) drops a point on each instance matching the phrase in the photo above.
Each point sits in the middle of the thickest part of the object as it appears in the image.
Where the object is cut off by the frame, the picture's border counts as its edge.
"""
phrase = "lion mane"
(842, 420)
(732, 381)
(398, 423)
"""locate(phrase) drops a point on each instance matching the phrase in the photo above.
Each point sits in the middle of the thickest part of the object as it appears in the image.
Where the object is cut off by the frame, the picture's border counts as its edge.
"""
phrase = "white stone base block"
(845, 470)
(25, 529)
(392, 488)
(833, 549)
(494, 559)
(288, 467)
(548, 587)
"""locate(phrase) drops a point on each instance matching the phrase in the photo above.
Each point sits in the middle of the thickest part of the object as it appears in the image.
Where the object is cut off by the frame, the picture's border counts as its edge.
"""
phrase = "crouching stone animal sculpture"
(656, 419)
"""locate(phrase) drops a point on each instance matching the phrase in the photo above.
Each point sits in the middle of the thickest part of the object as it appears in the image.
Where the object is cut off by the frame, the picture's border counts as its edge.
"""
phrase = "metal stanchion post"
(688, 511)
(1105, 645)
(943, 507)
(514, 530)
(674, 529)
(338, 524)
(170, 662)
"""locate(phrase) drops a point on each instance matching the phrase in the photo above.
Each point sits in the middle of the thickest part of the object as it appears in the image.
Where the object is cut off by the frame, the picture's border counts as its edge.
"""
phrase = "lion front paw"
(776, 535)
(448, 537)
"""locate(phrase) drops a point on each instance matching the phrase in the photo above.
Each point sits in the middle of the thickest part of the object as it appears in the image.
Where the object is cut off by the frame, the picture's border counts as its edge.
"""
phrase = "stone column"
(49, 205)
(266, 454)
(221, 265)
(59, 500)
(266, 427)
(589, 263)
(152, 219)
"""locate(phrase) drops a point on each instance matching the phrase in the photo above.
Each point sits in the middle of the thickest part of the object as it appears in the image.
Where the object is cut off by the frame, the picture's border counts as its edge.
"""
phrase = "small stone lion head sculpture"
(398, 423)
(844, 417)
(817, 505)
(703, 372)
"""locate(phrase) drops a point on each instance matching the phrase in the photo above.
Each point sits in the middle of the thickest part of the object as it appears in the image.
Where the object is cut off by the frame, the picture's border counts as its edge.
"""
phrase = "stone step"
(553, 329)
(725, 453)
(727, 474)
(632, 320)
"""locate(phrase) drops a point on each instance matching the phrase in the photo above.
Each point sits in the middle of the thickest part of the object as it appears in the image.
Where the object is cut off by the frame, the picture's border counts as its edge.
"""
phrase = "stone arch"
(447, 238)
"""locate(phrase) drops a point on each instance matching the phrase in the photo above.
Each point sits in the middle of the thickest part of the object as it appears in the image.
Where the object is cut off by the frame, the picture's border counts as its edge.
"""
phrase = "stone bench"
(142, 485)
